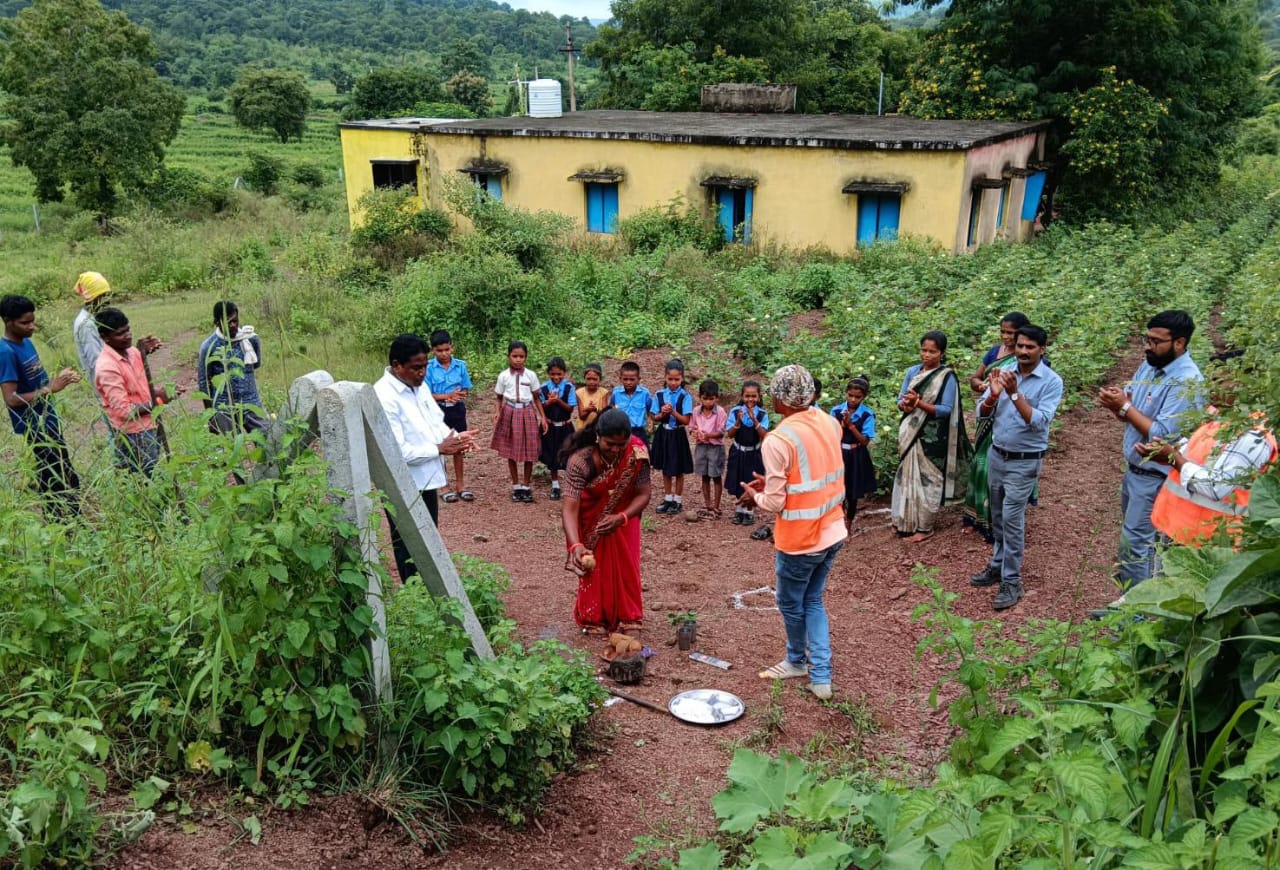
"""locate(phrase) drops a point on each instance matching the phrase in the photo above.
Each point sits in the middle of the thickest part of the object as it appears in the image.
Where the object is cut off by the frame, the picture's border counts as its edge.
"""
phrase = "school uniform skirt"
(517, 434)
(671, 455)
(859, 473)
(744, 465)
(557, 433)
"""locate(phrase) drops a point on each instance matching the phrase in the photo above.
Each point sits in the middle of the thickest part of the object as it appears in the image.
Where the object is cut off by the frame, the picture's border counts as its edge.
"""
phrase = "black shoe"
(516, 496)
(763, 533)
(1008, 596)
(526, 496)
(988, 576)
(555, 493)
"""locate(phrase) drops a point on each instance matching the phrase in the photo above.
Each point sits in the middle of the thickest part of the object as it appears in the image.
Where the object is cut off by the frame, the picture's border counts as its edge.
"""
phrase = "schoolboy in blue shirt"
(449, 382)
(632, 399)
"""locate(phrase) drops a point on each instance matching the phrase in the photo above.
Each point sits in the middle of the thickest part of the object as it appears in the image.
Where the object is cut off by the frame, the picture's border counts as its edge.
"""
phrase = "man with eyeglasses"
(1151, 406)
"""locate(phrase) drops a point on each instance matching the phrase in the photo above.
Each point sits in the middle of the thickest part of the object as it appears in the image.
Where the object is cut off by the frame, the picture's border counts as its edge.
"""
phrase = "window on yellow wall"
(602, 207)
(489, 182)
(975, 212)
(395, 173)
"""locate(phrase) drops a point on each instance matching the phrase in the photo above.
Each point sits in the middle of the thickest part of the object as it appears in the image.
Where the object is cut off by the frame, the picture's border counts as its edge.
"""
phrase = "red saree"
(610, 593)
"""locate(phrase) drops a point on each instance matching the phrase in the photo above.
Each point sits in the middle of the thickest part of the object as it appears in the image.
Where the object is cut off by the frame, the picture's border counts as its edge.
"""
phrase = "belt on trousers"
(1014, 455)
(561, 423)
(1146, 472)
(746, 449)
(516, 405)
(449, 404)
(847, 446)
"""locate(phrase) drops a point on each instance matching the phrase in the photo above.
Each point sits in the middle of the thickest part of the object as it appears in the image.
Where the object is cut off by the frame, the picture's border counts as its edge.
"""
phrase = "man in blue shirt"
(1151, 406)
(26, 388)
(1022, 404)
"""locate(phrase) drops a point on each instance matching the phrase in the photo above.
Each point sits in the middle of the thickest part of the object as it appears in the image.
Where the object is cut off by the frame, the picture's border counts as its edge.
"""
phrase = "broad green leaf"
(981, 787)
(1229, 800)
(760, 789)
(1264, 750)
(1255, 822)
(297, 631)
(1084, 777)
(1264, 499)
(823, 802)
(705, 857)
(1073, 717)
(824, 851)
(776, 848)
(1131, 719)
(1250, 578)
(969, 855)
(1012, 734)
(148, 792)
(996, 829)
(1157, 856)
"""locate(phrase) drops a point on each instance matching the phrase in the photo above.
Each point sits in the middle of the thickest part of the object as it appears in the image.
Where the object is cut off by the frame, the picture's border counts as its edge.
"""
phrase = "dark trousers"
(404, 563)
(56, 480)
(1011, 483)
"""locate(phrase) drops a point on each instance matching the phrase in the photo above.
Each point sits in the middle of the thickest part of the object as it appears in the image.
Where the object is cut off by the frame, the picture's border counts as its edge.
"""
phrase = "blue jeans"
(1137, 536)
(1011, 483)
(801, 581)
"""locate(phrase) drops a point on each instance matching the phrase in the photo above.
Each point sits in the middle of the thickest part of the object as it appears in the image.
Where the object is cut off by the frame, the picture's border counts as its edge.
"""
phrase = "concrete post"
(342, 433)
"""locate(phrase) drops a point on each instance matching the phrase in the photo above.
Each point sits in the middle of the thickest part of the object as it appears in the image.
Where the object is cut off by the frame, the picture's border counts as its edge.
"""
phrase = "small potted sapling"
(685, 622)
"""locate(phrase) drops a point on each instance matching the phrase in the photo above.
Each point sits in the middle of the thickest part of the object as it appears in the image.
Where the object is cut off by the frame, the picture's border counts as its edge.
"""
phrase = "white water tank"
(544, 98)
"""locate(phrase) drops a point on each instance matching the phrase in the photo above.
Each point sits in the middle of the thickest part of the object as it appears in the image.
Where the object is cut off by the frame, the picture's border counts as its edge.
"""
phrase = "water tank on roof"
(544, 98)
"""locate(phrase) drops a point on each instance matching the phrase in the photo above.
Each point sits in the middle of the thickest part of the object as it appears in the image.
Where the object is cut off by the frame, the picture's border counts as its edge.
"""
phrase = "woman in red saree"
(606, 487)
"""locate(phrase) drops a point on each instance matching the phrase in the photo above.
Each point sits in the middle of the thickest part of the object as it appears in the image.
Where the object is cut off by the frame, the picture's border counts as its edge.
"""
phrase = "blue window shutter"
(724, 211)
(595, 208)
(1031, 197)
(610, 208)
(1004, 191)
(868, 217)
(493, 184)
(749, 197)
(890, 210)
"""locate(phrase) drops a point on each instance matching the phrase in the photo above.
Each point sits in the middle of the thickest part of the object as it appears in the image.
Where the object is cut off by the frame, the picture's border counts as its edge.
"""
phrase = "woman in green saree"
(933, 450)
(977, 510)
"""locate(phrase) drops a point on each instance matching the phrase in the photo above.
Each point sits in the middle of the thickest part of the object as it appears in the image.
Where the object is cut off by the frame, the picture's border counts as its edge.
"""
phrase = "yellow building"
(796, 180)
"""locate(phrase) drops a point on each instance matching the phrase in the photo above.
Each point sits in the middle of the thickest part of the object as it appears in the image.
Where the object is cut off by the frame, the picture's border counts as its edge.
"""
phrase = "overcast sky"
(576, 8)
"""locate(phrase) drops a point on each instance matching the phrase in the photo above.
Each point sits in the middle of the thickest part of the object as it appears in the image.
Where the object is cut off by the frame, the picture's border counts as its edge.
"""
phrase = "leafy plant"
(678, 618)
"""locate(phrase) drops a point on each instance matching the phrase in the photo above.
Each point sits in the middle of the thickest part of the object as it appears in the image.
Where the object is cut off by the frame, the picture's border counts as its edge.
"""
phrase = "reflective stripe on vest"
(1209, 504)
(815, 480)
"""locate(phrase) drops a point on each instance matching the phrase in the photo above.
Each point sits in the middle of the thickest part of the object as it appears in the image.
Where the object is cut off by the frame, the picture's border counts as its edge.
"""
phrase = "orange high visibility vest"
(1191, 519)
(815, 480)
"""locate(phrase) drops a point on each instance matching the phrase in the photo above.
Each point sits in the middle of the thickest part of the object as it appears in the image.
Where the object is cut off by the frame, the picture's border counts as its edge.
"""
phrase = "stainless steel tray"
(706, 707)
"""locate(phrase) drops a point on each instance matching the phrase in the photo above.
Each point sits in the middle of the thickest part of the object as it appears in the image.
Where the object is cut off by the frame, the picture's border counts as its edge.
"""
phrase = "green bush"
(264, 172)
(673, 225)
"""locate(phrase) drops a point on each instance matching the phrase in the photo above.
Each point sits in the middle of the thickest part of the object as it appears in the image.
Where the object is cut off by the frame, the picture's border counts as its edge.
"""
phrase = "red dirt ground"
(656, 775)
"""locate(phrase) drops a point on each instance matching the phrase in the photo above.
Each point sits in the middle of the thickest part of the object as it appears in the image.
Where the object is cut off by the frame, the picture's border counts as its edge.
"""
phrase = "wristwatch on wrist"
(1124, 409)
(1013, 397)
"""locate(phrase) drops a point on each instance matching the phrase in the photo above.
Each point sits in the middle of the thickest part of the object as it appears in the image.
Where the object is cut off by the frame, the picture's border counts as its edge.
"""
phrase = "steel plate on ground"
(706, 707)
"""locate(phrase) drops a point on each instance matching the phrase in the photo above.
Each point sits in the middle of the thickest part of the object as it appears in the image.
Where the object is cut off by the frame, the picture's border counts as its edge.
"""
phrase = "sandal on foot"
(783, 670)
(449, 497)
(467, 495)
(763, 533)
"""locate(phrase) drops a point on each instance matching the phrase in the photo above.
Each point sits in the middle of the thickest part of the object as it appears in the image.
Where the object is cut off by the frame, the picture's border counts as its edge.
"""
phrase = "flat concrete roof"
(852, 132)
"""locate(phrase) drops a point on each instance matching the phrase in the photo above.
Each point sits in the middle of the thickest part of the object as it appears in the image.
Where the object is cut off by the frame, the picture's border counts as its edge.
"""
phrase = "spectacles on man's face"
(1149, 341)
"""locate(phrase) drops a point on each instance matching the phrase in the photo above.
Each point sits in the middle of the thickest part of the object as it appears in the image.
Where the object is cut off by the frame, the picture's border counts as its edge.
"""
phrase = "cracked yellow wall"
(797, 201)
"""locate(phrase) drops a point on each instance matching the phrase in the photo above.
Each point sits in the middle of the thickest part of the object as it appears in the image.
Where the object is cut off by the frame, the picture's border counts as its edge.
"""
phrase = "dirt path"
(656, 775)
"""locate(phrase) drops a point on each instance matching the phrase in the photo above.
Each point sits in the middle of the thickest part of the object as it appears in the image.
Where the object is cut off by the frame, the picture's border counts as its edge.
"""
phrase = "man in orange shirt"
(127, 397)
(803, 482)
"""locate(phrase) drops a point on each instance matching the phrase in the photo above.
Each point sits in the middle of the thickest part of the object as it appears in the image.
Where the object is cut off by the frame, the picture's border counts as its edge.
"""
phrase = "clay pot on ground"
(687, 635)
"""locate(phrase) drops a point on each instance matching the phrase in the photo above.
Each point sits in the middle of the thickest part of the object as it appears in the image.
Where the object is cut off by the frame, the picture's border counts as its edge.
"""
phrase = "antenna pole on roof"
(569, 50)
(520, 83)
(880, 101)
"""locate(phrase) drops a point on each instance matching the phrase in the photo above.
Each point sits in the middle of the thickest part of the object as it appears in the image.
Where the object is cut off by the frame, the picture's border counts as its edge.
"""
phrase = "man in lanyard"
(1023, 405)
(419, 428)
(1163, 388)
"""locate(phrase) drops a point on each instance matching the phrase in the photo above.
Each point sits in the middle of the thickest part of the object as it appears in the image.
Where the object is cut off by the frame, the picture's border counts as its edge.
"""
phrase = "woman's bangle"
(624, 518)
(573, 547)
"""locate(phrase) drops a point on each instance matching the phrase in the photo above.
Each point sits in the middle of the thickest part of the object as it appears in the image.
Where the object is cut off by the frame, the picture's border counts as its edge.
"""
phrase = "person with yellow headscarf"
(94, 290)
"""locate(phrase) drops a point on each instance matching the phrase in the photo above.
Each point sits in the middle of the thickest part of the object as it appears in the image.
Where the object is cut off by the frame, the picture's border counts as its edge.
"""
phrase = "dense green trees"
(271, 99)
(87, 109)
(391, 92)
(1165, 80)
(658, 53)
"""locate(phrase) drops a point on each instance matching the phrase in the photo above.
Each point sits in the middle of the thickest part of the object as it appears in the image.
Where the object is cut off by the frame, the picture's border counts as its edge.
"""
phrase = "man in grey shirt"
(94, 289)
(1023, 404)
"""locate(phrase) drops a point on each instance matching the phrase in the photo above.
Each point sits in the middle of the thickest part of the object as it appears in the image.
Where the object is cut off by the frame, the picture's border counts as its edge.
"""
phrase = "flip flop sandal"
(763, 533)
(467, 495)
(449, 497)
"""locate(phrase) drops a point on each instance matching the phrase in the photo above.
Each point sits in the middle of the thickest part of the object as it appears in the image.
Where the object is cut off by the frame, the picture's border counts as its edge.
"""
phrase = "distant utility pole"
(569, 50)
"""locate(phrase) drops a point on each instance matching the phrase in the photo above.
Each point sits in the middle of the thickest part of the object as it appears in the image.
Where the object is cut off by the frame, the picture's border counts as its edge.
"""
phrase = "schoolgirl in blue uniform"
(670, 413)
(858, 427)
(746, 427)
(559, 398)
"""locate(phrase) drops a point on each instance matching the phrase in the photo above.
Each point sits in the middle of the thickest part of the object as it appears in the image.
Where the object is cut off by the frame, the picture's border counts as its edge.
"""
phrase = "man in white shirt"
(419, 428)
